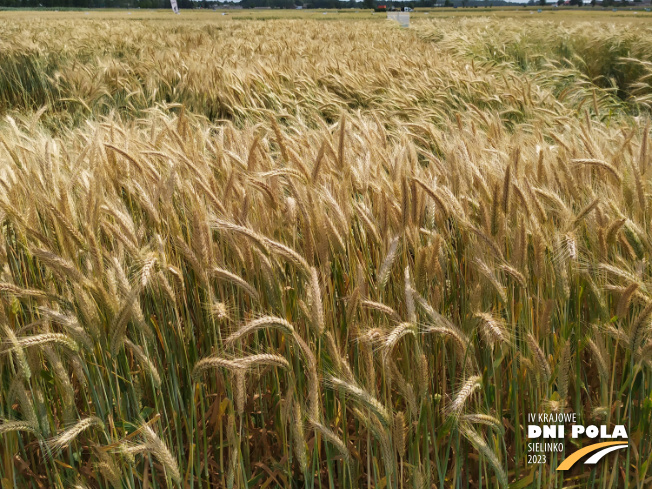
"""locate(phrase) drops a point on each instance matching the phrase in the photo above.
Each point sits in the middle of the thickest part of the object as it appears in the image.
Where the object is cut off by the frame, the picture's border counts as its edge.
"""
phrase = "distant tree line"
(324, 4)
(580, 3)
(84, 4)
(370, 4)
(284, 4)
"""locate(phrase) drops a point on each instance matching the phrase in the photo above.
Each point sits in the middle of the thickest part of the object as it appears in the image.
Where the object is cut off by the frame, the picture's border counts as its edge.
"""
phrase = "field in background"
(634, 16)
(288, 249)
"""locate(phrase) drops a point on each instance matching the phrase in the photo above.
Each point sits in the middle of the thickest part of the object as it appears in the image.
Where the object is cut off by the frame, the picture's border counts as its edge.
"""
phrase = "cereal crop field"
(314, 249)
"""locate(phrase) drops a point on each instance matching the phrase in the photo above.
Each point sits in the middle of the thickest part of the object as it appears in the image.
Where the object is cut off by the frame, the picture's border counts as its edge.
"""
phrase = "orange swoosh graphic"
(570, 461)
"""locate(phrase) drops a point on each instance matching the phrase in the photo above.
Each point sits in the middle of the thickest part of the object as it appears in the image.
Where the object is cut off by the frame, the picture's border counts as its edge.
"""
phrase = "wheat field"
(320, 251)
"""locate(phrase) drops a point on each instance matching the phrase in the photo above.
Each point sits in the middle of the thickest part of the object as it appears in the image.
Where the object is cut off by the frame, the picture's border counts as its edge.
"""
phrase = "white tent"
(402, 18)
